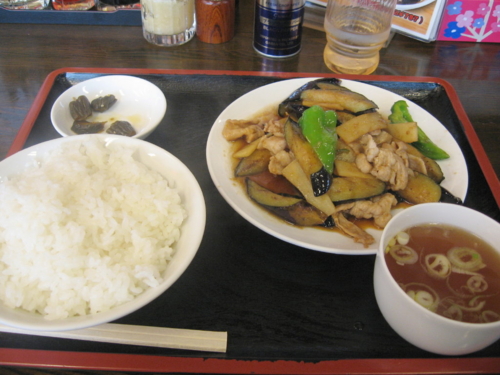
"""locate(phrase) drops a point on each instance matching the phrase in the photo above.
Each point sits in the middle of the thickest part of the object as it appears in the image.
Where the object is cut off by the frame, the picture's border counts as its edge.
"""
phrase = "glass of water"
(168, 22)
(356, 30)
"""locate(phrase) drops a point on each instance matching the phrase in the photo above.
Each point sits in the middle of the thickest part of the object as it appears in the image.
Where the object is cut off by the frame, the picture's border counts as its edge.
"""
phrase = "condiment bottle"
(278, 27)
(215, 20)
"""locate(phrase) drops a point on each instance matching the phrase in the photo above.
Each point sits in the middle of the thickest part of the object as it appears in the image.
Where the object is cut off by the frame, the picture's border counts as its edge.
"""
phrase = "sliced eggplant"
(293, 110)
(447, 197)
(340, 100)
(301, 214)
(317, 84)
(307, 158)
(256, 162)
(276, 183)
(326, 84)
(292, 106)
(420, 189)
(267, 198)
(305, 215)
(434, 171)
(328, 93)
(349, 188)
(292, 209)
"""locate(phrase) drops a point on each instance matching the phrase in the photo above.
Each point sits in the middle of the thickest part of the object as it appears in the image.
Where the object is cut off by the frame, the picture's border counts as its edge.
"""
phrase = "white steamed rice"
(87, 229)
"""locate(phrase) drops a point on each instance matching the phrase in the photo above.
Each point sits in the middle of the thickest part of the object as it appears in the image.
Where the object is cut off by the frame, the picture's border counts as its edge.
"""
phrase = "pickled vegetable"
(80, 108)
(87, 127)
(103, 103)
(122, 128)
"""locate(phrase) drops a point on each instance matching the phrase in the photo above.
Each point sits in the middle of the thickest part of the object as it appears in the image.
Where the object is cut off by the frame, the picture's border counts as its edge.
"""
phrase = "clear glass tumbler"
(356, 30)
(168, 22)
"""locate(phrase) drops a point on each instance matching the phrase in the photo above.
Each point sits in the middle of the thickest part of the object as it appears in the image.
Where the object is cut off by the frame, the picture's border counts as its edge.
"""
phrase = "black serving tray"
(286, 309)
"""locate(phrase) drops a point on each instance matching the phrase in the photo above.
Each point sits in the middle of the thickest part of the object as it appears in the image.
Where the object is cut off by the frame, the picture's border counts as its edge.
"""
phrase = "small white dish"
(222, 172)
(417, 325)
(192, 229)
(139, 102)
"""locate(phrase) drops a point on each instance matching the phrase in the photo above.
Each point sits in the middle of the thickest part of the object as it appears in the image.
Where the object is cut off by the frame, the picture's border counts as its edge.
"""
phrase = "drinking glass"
(168, 22)
(356, 30)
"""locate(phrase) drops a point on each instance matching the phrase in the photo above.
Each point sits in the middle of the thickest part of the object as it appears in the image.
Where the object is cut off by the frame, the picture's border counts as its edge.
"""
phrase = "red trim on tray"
(150, 363)
(29, 121)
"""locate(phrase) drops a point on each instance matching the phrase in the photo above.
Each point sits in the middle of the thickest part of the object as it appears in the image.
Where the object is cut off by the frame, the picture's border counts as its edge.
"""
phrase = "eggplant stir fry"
(326, 157)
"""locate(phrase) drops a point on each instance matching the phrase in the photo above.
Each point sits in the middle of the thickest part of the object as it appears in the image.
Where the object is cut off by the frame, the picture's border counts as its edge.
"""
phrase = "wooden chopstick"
(139, 335)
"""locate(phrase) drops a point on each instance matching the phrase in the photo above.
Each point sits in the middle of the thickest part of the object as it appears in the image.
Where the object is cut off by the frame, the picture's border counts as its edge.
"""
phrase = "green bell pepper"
(319, 128)
(400, 113)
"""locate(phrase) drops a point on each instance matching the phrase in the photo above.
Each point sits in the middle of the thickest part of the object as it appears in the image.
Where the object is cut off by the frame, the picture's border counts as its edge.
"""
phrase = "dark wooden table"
(29, 52)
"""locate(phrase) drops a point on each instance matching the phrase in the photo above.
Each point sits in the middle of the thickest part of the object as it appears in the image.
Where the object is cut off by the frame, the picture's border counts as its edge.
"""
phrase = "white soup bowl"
(416, 324)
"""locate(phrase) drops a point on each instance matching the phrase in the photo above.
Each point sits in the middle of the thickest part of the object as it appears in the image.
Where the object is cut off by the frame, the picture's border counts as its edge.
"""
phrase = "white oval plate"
(219, 164)
(420, 4)
(192, 230)
(139, 102)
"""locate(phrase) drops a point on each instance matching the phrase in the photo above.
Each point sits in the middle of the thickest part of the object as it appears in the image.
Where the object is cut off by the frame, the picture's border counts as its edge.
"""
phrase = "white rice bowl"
(93, 227)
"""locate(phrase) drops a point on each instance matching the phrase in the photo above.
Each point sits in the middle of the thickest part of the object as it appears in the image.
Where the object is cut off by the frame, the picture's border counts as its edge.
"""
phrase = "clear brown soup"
(469, 292)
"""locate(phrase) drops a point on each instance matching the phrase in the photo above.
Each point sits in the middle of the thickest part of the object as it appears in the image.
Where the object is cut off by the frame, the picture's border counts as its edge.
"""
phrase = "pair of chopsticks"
(139, 335)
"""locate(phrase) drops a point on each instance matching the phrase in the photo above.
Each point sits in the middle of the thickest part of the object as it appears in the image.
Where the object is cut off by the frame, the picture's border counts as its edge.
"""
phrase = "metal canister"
(278, 27)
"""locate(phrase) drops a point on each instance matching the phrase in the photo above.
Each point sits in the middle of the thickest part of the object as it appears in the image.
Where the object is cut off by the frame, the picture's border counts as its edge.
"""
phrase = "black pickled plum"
(87, 127)
(80, 108)
(103, 103)
(122, 128)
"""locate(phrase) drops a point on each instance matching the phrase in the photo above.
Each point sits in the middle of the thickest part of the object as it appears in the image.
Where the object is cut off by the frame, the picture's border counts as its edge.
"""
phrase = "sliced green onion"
(403, 238)
(488, 316)
(477, 308)
(437, 266)
(423, 295)
(463, 272)
(403, 254)
(453, 312)
(477, 284)
(424, 298)
(465, 258)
